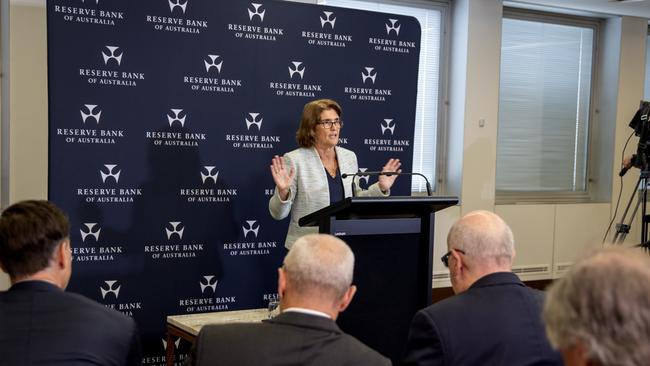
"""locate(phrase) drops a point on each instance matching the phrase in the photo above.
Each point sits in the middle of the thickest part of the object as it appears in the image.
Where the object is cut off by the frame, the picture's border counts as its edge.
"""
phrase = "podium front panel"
(391, 279)
(345, 228)
(392, 240)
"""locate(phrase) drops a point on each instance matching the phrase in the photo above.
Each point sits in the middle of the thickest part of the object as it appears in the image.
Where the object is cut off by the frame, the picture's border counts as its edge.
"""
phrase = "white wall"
(28, 103)
(27, 106)
(548, 236)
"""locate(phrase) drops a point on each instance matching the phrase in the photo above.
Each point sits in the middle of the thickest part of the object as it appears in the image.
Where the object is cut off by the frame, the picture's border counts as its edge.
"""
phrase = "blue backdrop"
(163, 119)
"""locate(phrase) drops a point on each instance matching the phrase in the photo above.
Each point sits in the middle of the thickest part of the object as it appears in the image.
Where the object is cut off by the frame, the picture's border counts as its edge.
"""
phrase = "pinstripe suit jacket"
(309, 191)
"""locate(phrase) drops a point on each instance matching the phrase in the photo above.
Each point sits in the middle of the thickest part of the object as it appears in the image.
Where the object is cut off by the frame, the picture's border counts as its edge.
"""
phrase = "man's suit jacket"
(291, 338)
(310, 192)
(40, 324)
(497, 321)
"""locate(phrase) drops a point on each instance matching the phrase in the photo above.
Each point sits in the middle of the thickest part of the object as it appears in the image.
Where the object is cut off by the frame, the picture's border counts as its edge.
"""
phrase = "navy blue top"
(335, 185)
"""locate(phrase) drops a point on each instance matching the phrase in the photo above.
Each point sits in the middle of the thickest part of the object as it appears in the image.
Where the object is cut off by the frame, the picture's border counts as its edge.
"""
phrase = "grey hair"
(603, 303)
(320, 262)
(483, 234)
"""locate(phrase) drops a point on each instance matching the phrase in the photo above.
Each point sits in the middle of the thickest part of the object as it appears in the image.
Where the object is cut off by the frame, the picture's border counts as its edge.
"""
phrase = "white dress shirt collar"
(306, 311)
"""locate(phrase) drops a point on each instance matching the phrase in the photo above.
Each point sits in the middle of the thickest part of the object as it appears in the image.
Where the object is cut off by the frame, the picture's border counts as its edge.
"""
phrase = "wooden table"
(188, 326)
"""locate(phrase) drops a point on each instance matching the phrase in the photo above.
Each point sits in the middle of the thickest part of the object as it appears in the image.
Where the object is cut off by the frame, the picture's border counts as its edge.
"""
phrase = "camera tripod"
(623, 228)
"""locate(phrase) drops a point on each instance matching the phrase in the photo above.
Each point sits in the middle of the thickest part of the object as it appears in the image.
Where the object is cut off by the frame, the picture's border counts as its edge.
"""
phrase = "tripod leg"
(631, 220)
(644, 217)
(622, 229)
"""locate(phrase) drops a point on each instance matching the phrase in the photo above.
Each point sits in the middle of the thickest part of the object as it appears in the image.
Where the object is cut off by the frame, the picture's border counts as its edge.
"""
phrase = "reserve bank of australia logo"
(112, 173)
(208, 282)
(388, 125)
(113, 54)
(392, 27)
(111, 288)
(255, 12)
(176, 342)
(250, 227)
(254, 120)
(175, 230)
(176, 117)
(209, 174)
(90, 230)
(369, 74)
(213, 63)
(298, 68)
(173, 4)
(328, 19)
(364, 178)
(90, 111)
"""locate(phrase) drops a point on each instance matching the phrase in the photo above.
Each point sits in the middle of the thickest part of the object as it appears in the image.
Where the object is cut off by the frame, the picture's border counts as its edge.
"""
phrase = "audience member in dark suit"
(314, 285)
(493, 319)
(40, 324)
(598, 314)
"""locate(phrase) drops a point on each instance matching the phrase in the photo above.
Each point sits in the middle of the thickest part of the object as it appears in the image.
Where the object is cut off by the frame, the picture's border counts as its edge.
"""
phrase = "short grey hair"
(603, 303)
(482, 234)
(320, 262)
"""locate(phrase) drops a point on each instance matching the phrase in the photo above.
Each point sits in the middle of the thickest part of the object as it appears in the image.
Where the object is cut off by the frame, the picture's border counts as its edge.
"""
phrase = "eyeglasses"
(329, 123)
(445, 258)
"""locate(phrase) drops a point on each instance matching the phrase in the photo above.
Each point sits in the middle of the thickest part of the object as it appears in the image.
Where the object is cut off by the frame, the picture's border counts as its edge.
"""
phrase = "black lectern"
(392, 241)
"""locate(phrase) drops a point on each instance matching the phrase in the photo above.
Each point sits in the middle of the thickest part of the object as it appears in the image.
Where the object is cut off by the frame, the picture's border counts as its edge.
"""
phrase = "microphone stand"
(388, 174)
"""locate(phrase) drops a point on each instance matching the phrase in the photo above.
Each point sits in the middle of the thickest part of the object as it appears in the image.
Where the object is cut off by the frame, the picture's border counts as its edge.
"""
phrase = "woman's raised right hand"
(282, 177)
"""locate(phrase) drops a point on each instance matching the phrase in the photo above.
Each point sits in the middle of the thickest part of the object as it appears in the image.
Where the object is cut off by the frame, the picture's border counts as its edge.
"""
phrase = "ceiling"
(635, 8)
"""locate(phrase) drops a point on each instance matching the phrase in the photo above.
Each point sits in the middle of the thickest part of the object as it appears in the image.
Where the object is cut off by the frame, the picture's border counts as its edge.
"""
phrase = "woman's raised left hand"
(386, 181)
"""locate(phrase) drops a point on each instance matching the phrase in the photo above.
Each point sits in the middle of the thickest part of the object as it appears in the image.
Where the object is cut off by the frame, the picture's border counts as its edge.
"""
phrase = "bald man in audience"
(493, 319)
(598, 314)
(314, 285)
(40, 323)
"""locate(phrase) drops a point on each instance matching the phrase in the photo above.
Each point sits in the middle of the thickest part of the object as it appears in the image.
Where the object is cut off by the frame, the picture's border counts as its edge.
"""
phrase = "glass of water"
(274, 308)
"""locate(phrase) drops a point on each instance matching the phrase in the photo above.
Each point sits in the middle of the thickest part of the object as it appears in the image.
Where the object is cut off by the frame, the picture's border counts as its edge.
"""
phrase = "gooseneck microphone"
(378, 173)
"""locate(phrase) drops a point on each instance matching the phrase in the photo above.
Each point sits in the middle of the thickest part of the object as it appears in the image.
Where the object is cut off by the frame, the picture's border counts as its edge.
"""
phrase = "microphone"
(388, 174)
(354, 175)
(634, 161)
(623, 171)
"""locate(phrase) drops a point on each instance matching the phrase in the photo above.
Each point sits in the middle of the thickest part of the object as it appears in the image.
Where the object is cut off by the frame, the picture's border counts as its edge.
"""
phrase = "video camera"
(641, 125)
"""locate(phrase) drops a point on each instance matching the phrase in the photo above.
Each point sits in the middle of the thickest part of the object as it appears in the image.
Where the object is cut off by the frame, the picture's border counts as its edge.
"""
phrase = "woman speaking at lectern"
(309, 177)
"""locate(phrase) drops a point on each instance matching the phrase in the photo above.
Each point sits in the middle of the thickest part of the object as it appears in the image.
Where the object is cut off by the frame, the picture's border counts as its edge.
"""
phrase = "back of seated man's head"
(599, 312)
(31, 234)
(319, 267)
(479, 243)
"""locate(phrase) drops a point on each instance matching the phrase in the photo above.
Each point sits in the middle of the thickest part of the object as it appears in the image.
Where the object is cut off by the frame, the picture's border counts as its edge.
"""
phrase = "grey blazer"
(309, 191)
